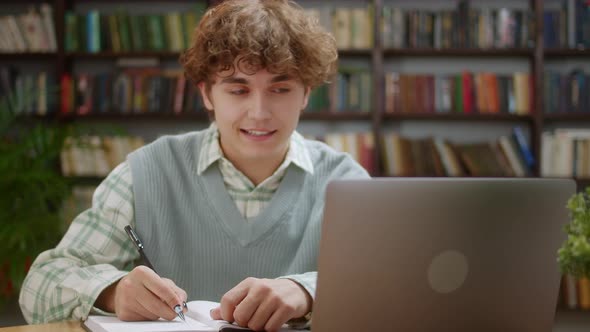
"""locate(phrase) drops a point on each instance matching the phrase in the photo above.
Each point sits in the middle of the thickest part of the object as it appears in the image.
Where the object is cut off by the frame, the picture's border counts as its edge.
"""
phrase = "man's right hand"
(142, 295)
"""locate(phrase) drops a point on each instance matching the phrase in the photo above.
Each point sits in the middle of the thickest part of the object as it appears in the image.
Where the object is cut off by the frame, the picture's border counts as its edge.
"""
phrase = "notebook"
(197, 320)
(440, 254)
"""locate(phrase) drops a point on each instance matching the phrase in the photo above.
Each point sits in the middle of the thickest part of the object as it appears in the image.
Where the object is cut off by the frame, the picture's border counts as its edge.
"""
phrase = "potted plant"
(31, 192)
(574, 255)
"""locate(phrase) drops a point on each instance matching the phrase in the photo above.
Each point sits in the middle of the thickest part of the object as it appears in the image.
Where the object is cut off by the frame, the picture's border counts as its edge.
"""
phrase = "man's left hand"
(263, 304)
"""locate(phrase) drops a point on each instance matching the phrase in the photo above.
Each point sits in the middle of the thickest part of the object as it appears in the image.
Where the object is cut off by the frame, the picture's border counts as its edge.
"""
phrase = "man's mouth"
(258, 133)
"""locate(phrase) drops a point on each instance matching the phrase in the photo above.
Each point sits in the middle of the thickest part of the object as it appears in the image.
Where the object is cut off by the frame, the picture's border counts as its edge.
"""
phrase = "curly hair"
(276, 35)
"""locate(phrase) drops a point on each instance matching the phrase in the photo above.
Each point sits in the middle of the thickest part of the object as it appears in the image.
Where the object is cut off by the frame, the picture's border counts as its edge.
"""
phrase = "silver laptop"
(440, 254)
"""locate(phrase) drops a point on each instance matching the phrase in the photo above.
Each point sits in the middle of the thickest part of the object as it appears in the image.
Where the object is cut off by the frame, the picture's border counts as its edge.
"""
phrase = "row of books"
(567, 26)
(352, 27)
(129, 91)
(574, 293)
(506, 156)
(33, 31)
(96, 155)
(566, 92)
(360, 146)
(461, 28)
(27, 93)
(350, 90)
(461, 93)
(565, 153)
(123, 32)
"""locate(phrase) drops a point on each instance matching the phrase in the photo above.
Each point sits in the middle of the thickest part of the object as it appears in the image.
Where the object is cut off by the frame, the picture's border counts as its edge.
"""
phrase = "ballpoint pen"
(139, 245)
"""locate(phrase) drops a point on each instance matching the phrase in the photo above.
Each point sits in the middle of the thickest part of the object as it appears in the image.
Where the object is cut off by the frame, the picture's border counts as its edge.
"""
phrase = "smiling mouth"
(258, 133)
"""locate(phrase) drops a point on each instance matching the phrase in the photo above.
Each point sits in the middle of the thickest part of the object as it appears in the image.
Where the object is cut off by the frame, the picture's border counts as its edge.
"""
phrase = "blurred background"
(424, 88)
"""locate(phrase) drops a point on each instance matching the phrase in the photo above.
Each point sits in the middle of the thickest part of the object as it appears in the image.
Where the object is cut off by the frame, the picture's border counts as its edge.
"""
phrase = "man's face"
(256, 114)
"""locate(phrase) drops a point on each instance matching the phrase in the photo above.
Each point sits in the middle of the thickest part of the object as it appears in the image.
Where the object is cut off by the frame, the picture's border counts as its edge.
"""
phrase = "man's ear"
(205, 96)
(306, 98)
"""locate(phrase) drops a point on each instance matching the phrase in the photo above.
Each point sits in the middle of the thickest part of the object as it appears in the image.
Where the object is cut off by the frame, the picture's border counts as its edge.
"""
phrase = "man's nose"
(258, 108)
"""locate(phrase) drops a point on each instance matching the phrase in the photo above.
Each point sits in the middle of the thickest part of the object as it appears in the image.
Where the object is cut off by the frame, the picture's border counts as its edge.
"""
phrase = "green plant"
(574, 255)
(31, 193)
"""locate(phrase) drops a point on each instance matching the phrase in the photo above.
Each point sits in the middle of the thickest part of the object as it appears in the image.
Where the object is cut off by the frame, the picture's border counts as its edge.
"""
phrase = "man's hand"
(263, 304)
(142, 295)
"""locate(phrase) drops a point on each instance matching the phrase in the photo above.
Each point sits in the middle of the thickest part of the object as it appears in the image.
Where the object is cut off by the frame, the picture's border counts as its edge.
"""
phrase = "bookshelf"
(64, 61)
(377, 119)
(376, 56)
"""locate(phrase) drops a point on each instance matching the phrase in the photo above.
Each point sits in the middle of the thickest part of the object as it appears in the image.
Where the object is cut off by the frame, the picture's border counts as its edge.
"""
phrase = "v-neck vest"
(194, 234)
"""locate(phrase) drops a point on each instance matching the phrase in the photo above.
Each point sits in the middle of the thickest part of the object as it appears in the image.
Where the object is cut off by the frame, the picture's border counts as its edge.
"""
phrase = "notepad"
(197, 317)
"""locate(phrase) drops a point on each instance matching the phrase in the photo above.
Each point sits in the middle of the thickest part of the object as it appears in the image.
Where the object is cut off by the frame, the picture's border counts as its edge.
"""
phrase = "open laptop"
(444, 254)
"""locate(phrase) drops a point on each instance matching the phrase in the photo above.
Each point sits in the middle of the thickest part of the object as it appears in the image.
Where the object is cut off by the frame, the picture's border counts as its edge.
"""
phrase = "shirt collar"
(211, 152)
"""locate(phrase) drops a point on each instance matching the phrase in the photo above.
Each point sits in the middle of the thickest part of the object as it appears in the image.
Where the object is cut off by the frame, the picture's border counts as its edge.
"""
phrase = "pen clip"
(134, 238)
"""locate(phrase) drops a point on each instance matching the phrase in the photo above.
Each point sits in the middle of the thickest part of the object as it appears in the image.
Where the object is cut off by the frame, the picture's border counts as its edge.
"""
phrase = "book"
(197, 317)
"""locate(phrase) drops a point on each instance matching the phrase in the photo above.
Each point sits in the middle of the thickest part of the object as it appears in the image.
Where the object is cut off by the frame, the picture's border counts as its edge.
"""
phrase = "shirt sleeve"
(64, 282)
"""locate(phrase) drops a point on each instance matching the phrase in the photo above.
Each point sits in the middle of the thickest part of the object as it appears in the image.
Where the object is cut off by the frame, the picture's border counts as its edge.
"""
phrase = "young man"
(231, 213)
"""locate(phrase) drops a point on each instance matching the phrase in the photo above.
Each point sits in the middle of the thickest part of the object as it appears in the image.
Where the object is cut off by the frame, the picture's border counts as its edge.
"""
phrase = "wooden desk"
(72, 326)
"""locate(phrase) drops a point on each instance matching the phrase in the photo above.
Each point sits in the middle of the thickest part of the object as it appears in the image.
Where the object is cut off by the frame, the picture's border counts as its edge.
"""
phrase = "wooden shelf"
(140, 1)
(460, 52)
(202, 116)
(34, 118)
(171, 54)
(457, 117)
(27, 56)
(555, 117)
(566, 52)
(335, 116)
(117, 55)
(357, 52)
(582, 182)
(128, 117)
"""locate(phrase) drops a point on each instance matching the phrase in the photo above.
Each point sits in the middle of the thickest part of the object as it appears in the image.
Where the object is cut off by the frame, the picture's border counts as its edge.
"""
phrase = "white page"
(200, 310)
(113, 324)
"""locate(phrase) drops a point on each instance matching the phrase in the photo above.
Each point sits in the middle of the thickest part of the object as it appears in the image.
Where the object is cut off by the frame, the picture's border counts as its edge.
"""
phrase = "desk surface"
(72, 326)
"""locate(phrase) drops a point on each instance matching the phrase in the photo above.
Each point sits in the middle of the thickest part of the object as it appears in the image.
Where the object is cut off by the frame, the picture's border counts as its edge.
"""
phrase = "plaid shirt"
(251, 199)
(89, 242)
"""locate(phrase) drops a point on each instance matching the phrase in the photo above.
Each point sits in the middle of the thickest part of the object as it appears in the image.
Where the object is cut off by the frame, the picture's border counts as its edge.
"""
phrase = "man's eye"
(238, 92)
(281, 90)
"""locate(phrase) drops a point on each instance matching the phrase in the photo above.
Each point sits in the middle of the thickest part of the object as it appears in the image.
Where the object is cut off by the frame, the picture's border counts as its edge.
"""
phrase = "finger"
(262, 314)
(216, 313)
(245, 310)
(155, 305)
(144, 312)
(161, 289)
(278, 318)
(232, 298)
(179, 291)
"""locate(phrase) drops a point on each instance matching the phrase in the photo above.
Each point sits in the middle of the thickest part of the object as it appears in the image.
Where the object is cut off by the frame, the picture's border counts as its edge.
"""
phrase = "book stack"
(567, 24)
(95, 156)
(352, 27)
(566, 93)
(27, 93)
(95, 31)
(129, 91)
(359, 145)
(33, 31)
(461, 93)
(464, 27)
(505, 157)
(565, 153)
(350, 91)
